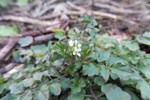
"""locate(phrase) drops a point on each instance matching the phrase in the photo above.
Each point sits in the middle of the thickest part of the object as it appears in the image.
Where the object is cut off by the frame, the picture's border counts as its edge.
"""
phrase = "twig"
(7, 68)
(31, 33)
(93, 94)
(14, 68)
(36, 32)
(100, 95)
(4, 52)
(29, 20)
(43, 38)
(60, 77)
(65, 24)
(84, 11)
(97, 13)
(51, 2)
(38, 8)
(44, 10)
(118, 4)
(75, 7)
(115, 9)
(146, 17)
(23, 34)
(49, 16)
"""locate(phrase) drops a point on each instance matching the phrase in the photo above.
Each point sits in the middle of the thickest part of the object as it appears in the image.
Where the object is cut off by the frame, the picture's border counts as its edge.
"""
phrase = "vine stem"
(93, 94)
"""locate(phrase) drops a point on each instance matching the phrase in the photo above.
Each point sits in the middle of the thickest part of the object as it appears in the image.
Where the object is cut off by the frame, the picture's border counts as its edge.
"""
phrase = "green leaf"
(8, 30)
(93, 40)
(86, 18)
(122, 49)
(144, 69)
(88, 99)
(104, 72)
(146, 34)
(16, 88)
(28, 82)
(78, 83)
(55, 87)
(132, 46)
(37, 76)
(102, 98)
(121, 74)
(59, 36)
(58, 31)
(41, 48)
(1, 79)
(42, 93)
(9, 97)
(95, 55)
(144, 87)
(3, 3)
(77, 30)
(147, 56)
(132, 57)
(2, 88)
(22, 2)
(53, 71)
(73, 68)
(114, 92)
(113, 76)
(58, 62)
(27, 96)
(94, 22)
(99, 80)
(90, 69)
(78, 64)
(65, 82)
(143, 40)
(55, 57)
(133, 95)
(115, 60)
(103, 56)
(50, 44)
(7, 84)
(140, 54)
(16, 56)
(93, 32)
(26, 41)
(79, 96)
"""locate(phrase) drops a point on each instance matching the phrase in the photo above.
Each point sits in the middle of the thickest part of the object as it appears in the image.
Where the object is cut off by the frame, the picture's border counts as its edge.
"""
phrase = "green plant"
(4, 3)
(6, 30)
(20, 3)
(86, 64)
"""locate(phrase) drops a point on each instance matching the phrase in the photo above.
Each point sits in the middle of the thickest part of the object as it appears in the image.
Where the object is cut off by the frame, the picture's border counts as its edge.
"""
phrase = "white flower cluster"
(77, 47)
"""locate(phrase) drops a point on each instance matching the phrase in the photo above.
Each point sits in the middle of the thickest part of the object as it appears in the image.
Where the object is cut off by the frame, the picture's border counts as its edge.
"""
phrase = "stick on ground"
(5, 51)
(29, 20)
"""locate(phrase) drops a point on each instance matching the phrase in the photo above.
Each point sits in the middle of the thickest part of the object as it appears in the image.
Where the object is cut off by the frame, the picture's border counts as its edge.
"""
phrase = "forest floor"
(119, 18)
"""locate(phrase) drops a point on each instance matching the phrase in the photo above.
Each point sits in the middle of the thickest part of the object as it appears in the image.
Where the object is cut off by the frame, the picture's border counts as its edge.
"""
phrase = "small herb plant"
(82, 65)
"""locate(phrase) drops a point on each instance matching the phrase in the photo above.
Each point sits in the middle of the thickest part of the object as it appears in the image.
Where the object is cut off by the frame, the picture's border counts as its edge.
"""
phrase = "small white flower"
(75, 48)
(78, 50)
(71, 43)
(76, 42)
(74, 53)
(79, 54)
(79, 45)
